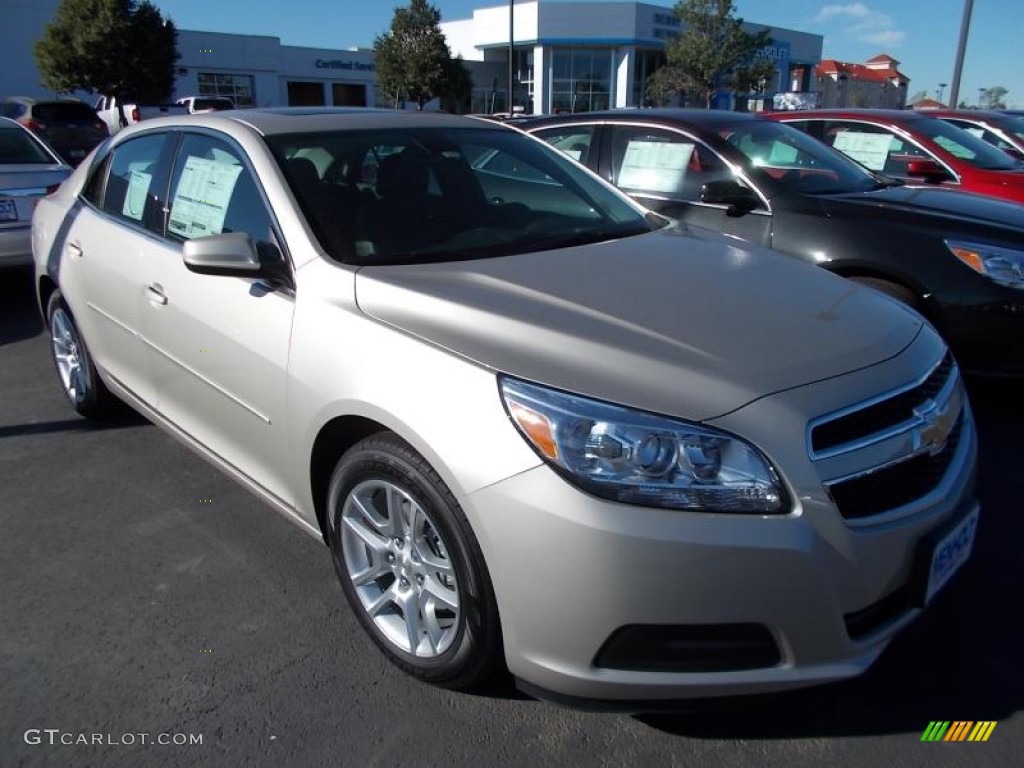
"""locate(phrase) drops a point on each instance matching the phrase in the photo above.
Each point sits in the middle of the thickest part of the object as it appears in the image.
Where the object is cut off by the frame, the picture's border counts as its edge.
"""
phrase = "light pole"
(961, 48)
(511, 53)
(939, 92)
(981, 97)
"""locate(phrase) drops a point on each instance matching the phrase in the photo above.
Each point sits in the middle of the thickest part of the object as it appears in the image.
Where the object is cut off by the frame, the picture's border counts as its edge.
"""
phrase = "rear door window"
(875, 147)
(135, 188)
(17, 147)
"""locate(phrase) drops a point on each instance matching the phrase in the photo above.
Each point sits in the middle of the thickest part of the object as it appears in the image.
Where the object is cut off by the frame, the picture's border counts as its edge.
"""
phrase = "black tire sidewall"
(387, 457)
(89, 402)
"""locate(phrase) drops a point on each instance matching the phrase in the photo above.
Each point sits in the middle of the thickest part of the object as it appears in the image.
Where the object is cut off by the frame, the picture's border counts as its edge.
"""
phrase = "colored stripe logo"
(958, 730)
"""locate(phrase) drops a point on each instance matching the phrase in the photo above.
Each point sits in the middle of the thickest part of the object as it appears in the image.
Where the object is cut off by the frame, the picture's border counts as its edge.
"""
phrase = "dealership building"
(581, 56)
(568, 56)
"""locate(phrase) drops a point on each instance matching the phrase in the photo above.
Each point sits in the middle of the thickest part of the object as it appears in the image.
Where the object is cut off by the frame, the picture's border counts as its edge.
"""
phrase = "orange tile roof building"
(877, 83)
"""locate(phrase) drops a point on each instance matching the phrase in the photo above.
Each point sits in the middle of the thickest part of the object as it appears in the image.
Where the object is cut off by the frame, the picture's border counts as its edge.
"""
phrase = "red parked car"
(914, 146)
(999, 129)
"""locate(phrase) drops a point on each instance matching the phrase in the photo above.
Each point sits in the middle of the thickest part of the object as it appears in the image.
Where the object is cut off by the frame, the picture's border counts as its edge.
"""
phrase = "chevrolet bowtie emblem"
(936, 423)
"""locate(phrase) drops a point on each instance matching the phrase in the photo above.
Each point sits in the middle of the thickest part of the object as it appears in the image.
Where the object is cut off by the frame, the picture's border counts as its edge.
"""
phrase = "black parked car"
(956, 257)
(71, 127)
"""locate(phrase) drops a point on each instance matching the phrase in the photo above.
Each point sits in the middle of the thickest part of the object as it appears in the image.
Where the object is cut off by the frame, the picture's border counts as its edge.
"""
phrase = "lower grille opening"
(689, 648)
(874, 617)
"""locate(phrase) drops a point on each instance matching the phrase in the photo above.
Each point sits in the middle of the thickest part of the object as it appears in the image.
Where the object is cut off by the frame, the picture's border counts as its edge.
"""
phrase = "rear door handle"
(155, 293)
(75, 250)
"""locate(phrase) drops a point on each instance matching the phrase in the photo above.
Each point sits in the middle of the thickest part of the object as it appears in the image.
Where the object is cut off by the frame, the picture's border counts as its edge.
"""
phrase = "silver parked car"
(532, 424)
(28, 170)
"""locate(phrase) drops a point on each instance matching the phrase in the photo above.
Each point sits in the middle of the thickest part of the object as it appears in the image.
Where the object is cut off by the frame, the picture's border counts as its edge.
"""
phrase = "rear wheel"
(78, 376)
(410, 565)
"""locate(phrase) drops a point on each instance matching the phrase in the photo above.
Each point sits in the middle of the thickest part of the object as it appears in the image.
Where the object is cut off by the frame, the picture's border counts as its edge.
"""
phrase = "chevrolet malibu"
(533, 425)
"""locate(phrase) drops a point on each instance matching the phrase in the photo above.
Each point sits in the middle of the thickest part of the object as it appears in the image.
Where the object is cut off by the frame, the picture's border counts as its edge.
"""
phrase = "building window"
(238, 88)
(581, 79)
(647, 63)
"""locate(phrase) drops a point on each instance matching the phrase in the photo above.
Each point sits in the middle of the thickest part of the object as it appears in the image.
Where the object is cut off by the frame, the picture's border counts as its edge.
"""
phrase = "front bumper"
(570, 570)
(16, 245)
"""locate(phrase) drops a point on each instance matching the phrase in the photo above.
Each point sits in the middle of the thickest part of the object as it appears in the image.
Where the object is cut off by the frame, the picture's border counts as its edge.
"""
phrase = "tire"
(894, 290)
(75, 369)
(410, 566)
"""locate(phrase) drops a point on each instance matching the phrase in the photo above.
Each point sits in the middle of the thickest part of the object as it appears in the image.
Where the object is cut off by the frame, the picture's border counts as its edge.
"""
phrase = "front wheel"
(410, 565)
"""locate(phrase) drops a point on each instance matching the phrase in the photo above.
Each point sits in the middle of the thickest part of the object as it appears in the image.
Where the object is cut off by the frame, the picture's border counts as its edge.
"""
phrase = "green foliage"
(121, 47)
(413, 61)
(457, 87)
(992, 98)
(713, 51)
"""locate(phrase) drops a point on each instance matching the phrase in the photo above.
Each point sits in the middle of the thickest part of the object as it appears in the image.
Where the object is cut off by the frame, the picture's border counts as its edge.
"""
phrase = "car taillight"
(135, 115)
(33, 125)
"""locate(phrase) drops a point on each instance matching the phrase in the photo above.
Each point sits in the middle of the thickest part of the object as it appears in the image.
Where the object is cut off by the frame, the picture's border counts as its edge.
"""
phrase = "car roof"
(285, 120)
(700, 117)
(883, 115)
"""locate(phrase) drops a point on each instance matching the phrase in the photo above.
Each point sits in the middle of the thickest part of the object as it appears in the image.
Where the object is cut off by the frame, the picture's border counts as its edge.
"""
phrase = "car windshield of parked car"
(965, 146)
(17, 147)
(426, 194)
(788, 157)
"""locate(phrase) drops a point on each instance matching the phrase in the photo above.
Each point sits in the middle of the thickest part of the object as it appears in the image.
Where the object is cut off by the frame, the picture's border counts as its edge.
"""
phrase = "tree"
(123, 47)
(992, 98)
(713, 52)
(412, 58)
(457, 87)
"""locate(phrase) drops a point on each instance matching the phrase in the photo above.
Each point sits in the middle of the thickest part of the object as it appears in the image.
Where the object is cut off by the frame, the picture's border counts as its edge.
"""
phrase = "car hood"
(681, 322)
(936, 202)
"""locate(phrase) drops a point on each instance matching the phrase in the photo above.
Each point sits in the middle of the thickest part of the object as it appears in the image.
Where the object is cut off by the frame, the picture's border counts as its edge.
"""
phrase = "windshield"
(787, 157)
(417, 195)
(964, 146)
(17, 147)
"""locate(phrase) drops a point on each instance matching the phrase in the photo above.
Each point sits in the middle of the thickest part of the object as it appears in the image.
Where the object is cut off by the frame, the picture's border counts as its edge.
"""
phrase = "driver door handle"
(155, 293)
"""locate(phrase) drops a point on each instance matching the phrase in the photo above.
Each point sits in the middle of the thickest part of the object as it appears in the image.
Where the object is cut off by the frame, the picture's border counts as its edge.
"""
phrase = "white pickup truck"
(118, 114)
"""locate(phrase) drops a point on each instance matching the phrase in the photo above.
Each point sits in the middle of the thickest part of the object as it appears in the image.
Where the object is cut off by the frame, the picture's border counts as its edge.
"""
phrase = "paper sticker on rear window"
(655, 166)
(201, 199)
(868, 149)
(135, 199)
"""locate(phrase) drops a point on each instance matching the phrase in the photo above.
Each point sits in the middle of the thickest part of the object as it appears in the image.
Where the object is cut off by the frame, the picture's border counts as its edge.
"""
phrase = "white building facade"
(581, 56)
(569, 56)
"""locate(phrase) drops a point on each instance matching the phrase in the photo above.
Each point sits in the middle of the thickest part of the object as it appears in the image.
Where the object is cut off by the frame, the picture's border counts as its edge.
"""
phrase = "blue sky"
(921, 34)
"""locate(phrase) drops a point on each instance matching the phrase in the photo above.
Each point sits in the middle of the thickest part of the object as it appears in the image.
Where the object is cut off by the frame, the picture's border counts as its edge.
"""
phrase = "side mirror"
(929, 170)
(230, 254)
(730, 192)
(233, 254)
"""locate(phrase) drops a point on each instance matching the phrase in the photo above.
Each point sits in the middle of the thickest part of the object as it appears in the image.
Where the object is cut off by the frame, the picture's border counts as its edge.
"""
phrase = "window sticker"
(979, 132)
(202, 197)
(575, 154)
(655, 166)
(783, 154)
(135, 199)
(868, 149)
(954, 148)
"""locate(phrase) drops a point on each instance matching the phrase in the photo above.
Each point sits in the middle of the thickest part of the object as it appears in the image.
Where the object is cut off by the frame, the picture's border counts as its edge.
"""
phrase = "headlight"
(642, 458)
(1004, 265)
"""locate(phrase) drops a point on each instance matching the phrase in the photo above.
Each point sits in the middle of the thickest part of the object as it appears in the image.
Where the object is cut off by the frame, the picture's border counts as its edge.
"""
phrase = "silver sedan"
(534, 424)
(28, 170)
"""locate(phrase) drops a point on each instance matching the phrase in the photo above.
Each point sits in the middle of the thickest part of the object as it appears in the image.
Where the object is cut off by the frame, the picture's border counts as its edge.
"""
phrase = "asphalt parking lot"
(144, 593)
